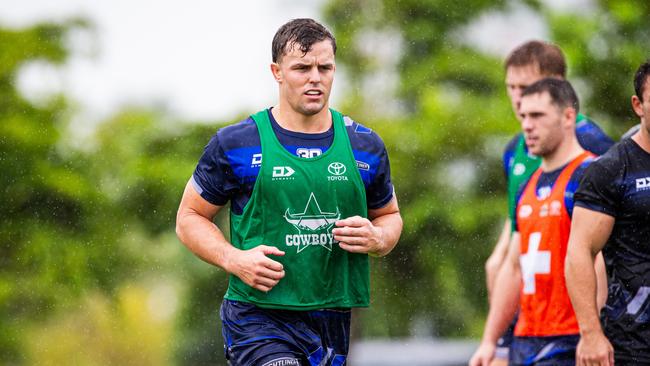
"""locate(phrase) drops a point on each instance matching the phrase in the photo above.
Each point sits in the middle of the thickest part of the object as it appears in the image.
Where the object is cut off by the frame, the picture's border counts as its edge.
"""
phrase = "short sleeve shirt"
(231, 161)
(618, 185)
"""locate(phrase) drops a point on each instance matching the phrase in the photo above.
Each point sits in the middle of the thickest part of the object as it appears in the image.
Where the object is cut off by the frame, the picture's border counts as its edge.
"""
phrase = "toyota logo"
(336, 168)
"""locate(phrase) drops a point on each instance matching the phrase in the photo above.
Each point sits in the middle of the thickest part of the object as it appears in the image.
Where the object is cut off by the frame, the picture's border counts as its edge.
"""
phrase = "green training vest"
(523, 166)
(294, 205)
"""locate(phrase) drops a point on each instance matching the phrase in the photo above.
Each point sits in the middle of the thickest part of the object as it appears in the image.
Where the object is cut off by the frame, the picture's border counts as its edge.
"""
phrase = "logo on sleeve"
(256, 161)
(642, 184)
(363, 165)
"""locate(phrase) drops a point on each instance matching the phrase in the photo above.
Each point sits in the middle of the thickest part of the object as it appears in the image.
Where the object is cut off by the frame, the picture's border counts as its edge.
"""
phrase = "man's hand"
(483, 355)
(594, 349)
(255, 268)
(358, 235)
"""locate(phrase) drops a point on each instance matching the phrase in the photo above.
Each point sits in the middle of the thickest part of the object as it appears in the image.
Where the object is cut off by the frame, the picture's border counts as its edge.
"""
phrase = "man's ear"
(570, 116)
(277, 73)
(637, 106)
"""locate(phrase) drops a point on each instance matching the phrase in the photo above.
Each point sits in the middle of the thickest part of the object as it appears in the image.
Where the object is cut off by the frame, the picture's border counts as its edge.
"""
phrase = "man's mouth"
(531, 140)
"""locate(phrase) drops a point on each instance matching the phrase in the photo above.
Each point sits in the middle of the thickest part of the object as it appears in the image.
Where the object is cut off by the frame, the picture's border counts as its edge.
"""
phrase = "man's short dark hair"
(640, 78)
(561, 92)
(303, 32)
(548, 57)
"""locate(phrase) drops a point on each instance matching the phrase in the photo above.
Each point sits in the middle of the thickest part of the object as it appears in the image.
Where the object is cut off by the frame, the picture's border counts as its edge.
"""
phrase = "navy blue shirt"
(231, 161)
(618, 185)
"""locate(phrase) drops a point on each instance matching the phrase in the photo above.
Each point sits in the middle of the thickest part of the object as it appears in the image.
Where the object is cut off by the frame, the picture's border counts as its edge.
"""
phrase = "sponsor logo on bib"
(336, 170)
(525, 211)
(282, 172)
(556, 208)
(519, 169)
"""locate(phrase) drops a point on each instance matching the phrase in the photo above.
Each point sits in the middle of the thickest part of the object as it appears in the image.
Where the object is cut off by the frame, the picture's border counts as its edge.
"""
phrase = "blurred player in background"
(526, 64)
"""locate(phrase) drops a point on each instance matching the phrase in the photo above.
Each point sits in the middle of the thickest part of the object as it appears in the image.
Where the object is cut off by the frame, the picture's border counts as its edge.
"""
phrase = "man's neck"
(294, 121)
(565, 152)
(642, 138)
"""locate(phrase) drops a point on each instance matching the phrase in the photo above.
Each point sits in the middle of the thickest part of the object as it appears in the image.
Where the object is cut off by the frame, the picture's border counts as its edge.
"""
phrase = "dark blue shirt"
(231, 161)
(618, 185)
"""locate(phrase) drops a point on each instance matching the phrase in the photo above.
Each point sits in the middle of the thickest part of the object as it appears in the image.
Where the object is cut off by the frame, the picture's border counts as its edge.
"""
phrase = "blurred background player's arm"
(589, 233)
(503, 304)
(496, 259)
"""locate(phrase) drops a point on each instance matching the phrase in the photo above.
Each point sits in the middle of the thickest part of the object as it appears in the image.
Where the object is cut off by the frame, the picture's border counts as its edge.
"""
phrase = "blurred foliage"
(79, 228)
(126, 332)
(91, 271)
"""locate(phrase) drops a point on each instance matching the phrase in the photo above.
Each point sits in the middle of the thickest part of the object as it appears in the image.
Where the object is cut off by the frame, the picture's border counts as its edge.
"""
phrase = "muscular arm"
(195, 229)
(503, 305)
(376, 236)
(200, 235)
(496, 259)
(589, 233)
(601, 281)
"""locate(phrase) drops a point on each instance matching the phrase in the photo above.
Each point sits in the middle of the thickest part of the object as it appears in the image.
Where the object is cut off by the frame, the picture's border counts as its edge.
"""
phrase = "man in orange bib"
(532, 279)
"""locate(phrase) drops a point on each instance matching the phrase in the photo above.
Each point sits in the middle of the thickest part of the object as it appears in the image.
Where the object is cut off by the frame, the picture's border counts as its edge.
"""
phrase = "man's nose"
(526, 124)
(314, 75)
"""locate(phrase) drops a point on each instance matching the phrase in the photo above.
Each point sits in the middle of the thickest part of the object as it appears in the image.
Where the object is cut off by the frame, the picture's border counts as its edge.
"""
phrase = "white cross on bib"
(534, 262)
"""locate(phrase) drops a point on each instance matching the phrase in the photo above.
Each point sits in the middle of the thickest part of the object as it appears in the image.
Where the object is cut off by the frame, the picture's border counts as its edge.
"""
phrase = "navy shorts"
(269, 337)
(544, 351)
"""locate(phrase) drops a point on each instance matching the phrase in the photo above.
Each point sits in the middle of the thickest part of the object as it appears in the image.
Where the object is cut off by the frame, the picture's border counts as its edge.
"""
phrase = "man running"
(613, 215)
(532, 277)
(311, 198)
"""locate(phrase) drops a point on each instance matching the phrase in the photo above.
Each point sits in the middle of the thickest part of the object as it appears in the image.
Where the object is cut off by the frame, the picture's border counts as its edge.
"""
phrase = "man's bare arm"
(601, 281)
(196, 230)
(498, 256)
(503, 305)
(589, 233)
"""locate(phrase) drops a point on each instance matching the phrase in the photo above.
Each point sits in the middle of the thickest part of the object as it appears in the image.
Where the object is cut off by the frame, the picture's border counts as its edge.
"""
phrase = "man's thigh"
(255, 336)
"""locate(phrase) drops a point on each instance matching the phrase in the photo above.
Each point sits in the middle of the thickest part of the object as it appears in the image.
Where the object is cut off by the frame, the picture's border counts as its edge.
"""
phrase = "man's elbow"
(492, 265)
(571, 261)
(180, 220)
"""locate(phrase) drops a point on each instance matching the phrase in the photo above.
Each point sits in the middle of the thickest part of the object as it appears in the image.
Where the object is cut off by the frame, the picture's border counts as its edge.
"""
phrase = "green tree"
(46, 257)
(78, 227)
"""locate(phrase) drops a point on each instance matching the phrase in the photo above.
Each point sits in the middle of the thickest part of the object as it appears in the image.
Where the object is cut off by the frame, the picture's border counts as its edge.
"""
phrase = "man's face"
(517, 79)
(642, 109)
(306, 80)
(543, 123)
